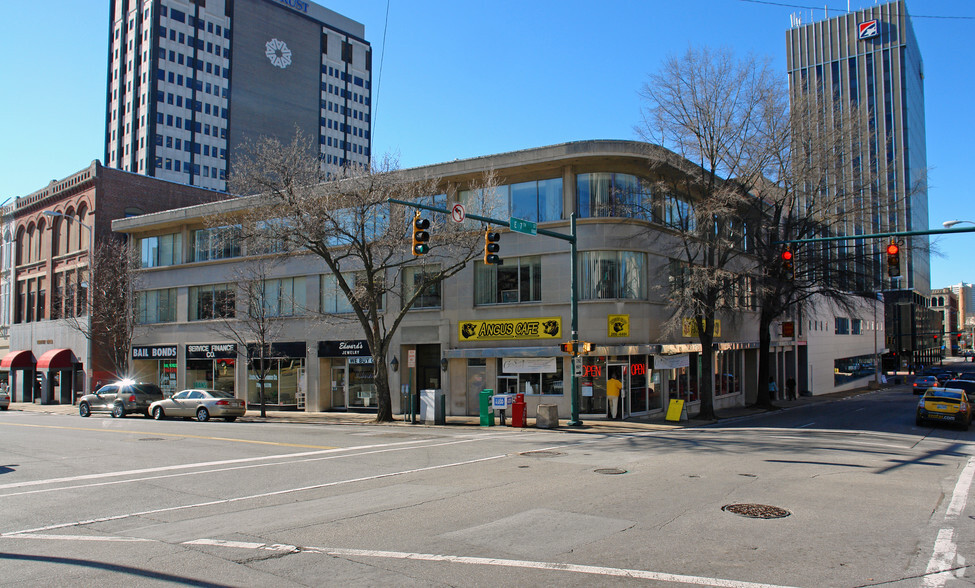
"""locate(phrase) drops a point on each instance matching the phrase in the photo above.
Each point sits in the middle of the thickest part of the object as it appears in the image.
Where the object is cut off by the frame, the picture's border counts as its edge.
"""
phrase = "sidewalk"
(590, 425)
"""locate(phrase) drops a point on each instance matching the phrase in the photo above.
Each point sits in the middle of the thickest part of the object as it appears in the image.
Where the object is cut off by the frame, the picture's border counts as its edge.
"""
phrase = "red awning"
(18, 359)
(56, 359)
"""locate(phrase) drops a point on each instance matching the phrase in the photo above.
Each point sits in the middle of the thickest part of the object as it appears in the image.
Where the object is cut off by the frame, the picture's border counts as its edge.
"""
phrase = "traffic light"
(788, 269)
(576, 347)
(893, 260)
(420, 235)
(491, 248)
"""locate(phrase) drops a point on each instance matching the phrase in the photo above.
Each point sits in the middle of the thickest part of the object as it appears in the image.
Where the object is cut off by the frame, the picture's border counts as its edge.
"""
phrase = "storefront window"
(592, 385)
(530, 376)
(281, 384)
(362, 383)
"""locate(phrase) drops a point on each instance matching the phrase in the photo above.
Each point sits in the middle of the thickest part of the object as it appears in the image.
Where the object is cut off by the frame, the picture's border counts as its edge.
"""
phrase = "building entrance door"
(338, 387)
(621, 372)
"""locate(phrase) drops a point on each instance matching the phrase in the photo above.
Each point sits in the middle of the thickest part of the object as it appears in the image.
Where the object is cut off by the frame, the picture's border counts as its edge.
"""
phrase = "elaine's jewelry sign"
(504, 330)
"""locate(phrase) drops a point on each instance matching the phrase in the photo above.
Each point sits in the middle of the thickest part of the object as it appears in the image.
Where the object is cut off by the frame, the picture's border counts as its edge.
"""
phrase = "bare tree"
(708, 107)
(251, 315)
(342, 215)
(108, 320)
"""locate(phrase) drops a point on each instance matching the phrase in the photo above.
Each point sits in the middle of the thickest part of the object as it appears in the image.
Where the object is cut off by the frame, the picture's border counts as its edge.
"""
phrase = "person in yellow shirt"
(613, 388)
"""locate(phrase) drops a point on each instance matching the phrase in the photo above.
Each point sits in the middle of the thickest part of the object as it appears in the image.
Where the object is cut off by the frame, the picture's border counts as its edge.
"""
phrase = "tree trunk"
(384, 414)
(707, 377)
(763, 399)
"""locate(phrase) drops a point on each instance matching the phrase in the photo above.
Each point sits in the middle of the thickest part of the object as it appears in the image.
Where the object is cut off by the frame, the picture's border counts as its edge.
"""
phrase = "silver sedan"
(199, 404)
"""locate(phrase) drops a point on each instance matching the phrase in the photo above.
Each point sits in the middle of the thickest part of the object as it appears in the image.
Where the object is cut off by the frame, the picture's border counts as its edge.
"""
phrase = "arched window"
(29, 243)
(56, 241)
(39, 241)
(19, 253)
(82, 218)
(67, 230)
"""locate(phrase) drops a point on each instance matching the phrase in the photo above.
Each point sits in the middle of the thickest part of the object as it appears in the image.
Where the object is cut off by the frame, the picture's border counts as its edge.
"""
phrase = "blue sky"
(470, 78)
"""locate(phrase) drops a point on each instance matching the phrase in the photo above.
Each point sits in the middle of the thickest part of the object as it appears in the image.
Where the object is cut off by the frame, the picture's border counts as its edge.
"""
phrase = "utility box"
(486, 411)
(432, 406)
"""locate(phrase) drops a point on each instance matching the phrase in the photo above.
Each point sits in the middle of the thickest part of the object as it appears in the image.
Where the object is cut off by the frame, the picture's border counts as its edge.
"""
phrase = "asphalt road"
(870, 500)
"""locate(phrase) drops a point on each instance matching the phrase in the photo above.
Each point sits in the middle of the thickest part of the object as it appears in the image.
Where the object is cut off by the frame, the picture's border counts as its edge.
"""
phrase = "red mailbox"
(518, 411)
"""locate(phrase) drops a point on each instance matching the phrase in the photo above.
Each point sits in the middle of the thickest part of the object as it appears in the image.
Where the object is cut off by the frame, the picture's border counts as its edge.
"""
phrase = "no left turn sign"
(457, 213)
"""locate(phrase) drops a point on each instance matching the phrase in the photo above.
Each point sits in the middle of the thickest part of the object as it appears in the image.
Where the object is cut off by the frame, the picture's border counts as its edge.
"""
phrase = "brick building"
(55, 232)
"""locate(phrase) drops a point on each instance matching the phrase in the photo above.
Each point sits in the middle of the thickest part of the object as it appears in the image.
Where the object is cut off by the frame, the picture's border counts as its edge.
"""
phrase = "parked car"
(923, 383)
(199, 404)
(120, 398)
(967, 385)
(4, 400)
(946, 405)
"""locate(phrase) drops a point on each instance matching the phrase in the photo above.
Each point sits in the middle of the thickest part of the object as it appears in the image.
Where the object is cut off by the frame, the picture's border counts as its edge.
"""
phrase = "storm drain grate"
(541, 453)
(756, 511)
(610, 471)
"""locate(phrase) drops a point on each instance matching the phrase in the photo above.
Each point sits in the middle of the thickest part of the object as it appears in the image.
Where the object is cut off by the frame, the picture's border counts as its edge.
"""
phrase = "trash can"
(518, 411)
(487, 412)
(432, 406)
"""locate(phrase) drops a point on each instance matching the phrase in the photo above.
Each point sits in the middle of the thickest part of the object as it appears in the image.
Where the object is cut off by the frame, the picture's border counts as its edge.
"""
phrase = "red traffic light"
(786, 255)
(893, 249)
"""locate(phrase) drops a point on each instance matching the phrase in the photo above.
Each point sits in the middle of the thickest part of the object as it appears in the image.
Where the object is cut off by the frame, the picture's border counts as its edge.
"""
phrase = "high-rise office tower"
(870, 59)
(191, 81)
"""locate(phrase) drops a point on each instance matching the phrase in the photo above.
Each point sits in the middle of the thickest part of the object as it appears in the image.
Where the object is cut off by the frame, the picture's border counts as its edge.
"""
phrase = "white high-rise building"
(191, 81)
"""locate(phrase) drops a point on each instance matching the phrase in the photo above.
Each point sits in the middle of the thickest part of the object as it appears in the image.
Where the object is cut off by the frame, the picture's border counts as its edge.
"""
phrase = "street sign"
(411, 358)
(523, 226)
(457, 213)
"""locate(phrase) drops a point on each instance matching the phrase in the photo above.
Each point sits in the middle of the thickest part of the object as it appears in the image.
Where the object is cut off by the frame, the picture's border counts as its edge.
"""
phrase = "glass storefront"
(155, 364)
(529, 376)
(211, 367)
(283, 375)
(353, 377)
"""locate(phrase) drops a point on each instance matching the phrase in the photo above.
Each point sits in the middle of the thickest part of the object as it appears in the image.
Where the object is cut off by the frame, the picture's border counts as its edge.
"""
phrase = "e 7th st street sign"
(522, 226)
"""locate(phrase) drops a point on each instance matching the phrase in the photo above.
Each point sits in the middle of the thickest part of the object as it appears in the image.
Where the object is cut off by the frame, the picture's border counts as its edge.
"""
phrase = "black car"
(120, 398)
(967, 385)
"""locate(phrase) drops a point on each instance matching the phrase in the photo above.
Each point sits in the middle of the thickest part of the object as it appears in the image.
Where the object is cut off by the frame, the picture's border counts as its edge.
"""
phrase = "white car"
(4, 400)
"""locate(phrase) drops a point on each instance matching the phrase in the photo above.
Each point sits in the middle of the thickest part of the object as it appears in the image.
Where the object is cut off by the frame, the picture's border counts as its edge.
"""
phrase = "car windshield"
(220, 394)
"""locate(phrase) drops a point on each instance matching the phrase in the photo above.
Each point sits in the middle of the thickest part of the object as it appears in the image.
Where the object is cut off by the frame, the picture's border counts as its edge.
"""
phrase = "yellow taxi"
(944, 404)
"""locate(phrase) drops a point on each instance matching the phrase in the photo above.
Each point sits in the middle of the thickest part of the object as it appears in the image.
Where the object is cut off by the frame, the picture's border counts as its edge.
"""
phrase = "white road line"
(486, 561)
(249, 497)
(216, 463)
(959, 498)
(806, 425)
(83, 538)
(942, 560)
(234, 468)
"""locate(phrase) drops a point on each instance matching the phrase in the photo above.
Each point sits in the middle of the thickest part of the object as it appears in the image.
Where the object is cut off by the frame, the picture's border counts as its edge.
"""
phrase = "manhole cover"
(610, 471)
(756, 511)
(541, 453)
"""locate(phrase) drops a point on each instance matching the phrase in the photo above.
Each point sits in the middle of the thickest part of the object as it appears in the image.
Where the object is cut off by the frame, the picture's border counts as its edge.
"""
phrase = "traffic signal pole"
(876, 236)
(574, 420)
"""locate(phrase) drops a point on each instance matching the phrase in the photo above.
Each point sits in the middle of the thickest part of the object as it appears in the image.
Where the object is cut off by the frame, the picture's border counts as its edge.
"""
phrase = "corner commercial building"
(191, 82)
(489, 326)
(870, 59)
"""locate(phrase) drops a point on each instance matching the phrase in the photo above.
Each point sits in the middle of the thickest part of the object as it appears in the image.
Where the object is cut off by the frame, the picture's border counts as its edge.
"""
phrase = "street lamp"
(951, 223)
(89, 362)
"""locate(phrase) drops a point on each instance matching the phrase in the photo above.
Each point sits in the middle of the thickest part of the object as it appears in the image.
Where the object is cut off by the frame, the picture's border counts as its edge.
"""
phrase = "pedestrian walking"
(613, 388)
(790, 389)
(773, 391)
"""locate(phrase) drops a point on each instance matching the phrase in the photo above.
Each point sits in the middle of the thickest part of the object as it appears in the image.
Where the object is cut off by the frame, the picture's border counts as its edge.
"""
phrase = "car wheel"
(230, 419)
(202, 415)
(4, 407)
(118, 411)
(158, 414)
(84, 410)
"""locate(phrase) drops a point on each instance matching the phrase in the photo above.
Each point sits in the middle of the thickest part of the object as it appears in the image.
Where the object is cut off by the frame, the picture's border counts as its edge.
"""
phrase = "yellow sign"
(502, 330)
(619, 325)
(675, 412)
(690, 327)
